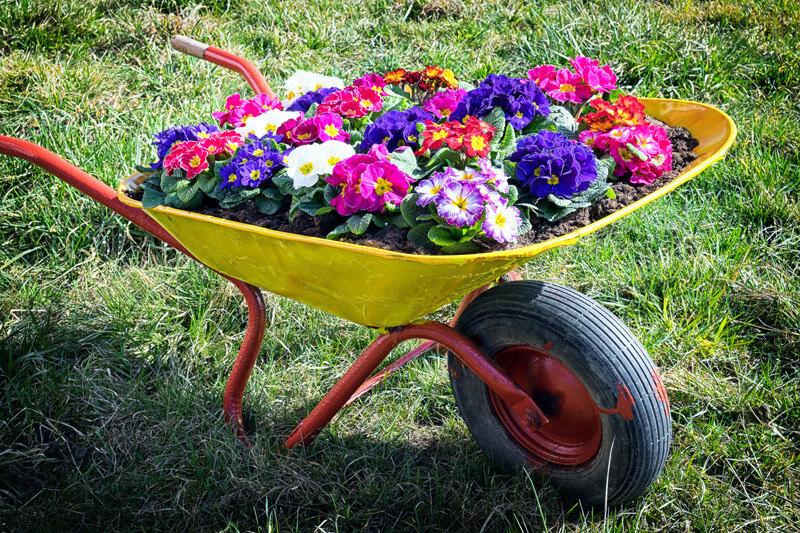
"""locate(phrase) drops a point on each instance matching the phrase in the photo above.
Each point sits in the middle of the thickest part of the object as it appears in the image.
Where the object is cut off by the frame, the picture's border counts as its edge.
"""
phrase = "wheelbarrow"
(544, 377)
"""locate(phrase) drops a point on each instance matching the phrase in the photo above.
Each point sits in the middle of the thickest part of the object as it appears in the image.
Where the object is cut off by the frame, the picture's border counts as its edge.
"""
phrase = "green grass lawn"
(114, 349)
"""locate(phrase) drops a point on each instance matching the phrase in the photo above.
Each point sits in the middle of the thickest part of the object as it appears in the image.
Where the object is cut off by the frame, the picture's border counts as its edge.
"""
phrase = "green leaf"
(558, 201)
(152, 198)
(411, 211)
(268, 206)
(399, 221)
(418, 236)
(496, 118)
(397, 91)
(284, 183)
(525, 227)
(330, 193)
(565, 122)
(311, 207)
(442, 236)
(420, 127)
(610, 193)
(358, 224)
(208, 183)
(466, 247)
(512, 195)
(338, 231)
(169, 184)
(406, 162)
(466, 85)
(271, 193)
(510, 168)
(538, 124)
(312, 109)
(552, 212)
(187, 192)
(444, 157)
(508, 143)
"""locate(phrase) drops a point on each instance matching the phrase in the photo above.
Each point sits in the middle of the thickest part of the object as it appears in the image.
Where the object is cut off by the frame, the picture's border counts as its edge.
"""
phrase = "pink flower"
(543, 76)
(444, 102)
(368, 181)
(351, 102)
(600, 80)
(239, 115)
(265, 103)
(329, 128)
(568, 86)
(233, 101)
(370, 81)
(187, 156)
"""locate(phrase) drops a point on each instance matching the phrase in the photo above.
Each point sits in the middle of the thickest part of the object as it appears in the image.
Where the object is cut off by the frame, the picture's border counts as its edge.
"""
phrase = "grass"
(114, 350)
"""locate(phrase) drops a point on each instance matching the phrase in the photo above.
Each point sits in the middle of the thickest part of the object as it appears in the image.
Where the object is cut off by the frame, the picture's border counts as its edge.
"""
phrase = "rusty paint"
(625, 403)
(661, 391)
(547, 345)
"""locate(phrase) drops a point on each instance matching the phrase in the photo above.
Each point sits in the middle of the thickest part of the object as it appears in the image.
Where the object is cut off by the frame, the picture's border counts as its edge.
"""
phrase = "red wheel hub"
(572, 436)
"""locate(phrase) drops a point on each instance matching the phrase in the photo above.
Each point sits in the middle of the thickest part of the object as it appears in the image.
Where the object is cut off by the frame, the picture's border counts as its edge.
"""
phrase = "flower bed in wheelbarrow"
(382, 200)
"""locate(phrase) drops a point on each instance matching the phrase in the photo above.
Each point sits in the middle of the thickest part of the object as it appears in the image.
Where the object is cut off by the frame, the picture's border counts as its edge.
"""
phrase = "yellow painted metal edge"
(132, 182)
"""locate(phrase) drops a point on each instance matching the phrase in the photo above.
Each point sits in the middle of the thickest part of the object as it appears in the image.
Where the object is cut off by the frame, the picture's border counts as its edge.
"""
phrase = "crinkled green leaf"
(497, 119)
(512, 195)
(170, 184)
(510, 168)
(525, 227)
(312, 109)
(565, 122)
(441, 236)
(268, 206)
(284, 183)
(538, 124)
(466, 247)
(186, 193)
(152, 198)
(338, 231)
(411, 211)
(418, 236)
(558, 201)
(208, 183)
(358, 224)
(397, 91)
(406, 162)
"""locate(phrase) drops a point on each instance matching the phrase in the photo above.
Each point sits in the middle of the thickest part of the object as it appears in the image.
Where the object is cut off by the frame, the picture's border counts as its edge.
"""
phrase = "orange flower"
(395, 76)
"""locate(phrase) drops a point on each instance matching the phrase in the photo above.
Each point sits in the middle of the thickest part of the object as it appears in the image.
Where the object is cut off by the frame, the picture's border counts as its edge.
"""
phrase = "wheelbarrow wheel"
(609, 428)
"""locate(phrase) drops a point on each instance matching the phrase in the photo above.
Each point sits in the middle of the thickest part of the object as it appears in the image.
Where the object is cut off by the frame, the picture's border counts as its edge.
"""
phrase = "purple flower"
(395, 128)
(429, 190)
(253, 173)
(303, 103)
(520, 99)
(460, 204)
(252, 156)
(165, 139)
(549, 163)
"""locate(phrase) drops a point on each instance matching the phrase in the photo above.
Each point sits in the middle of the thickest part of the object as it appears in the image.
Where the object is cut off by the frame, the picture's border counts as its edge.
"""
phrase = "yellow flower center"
(331, 130)
(332, 160)
(567, 88)
(268, 163)
(439, 135)
(195, 162)
(500, 220)
(445, 112)
(478, 143)
(625, 154)
(460, 202)
(307, 168)
(255, 174)
(382, 186)
(553, 180)
(258, 152)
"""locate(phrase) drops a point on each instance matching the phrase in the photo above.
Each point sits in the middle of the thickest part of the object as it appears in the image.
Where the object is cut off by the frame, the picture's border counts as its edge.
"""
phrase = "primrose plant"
(461, 167)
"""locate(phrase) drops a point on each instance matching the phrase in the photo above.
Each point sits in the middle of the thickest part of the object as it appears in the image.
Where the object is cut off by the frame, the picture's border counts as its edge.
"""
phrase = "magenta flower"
(265, 103)
(370, 81)
(460, 204)
(383, 182)
(568, 86)
(543, 76)
(329, 128)
(599, 79)
(239, 115)
(233, 101)
(444, 103)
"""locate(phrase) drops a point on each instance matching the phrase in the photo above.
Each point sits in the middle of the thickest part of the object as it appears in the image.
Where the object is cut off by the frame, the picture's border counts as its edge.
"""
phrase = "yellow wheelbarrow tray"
(381, 288)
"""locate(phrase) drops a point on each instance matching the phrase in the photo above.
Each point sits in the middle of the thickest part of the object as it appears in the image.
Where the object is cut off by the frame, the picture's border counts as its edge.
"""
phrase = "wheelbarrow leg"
(246, 359)
(376, 352)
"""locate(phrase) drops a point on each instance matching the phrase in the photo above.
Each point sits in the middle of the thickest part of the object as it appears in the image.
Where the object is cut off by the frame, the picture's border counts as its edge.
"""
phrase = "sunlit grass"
(114, 350)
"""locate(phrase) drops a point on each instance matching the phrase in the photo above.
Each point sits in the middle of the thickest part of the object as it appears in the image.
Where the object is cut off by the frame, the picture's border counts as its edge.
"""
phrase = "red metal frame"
(355, 381)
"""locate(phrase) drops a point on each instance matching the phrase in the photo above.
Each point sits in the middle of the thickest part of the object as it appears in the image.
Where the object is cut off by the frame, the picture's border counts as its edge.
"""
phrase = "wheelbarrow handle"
(224, 59)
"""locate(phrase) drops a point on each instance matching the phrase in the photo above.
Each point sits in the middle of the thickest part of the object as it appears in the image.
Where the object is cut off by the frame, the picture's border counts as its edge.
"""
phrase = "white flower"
(266, 122)
(308, 162)
(303, 81)
(331, 152)
(304, 165)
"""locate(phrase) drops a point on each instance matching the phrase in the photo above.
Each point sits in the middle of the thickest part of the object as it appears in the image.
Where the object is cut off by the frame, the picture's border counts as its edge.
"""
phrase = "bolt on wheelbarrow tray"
(381, 288)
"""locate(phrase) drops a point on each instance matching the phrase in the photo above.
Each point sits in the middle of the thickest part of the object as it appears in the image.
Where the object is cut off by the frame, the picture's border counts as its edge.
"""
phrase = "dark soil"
(393, 238)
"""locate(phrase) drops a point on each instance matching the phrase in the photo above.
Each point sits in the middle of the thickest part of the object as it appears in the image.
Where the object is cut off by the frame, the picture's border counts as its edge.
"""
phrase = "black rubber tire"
(603, 354)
